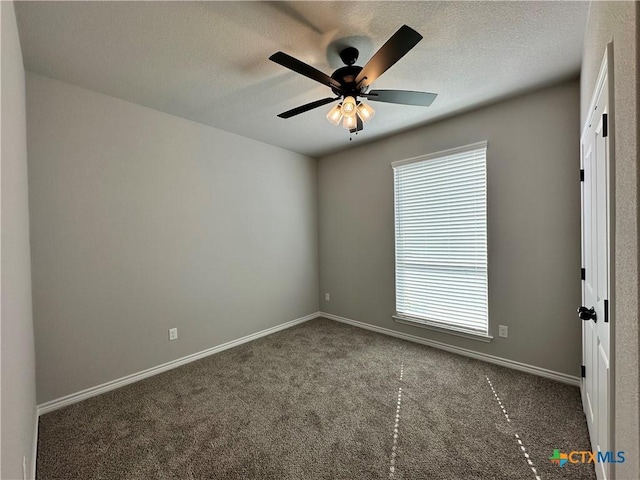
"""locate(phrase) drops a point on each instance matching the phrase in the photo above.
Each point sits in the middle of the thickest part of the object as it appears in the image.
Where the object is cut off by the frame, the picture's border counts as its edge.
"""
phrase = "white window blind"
(441, 239)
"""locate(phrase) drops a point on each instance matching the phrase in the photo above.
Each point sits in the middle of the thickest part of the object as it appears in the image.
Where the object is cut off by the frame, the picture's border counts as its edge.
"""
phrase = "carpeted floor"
(321, 400)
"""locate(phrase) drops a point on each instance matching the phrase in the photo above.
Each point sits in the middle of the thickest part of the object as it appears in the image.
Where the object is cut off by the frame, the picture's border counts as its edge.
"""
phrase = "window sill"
(425, 324)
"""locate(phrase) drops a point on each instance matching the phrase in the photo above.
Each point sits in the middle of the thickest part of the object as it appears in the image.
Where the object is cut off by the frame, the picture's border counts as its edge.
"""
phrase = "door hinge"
(583, 274)
(606, 311)
(583, 371)
(582, 174)
(605, 125)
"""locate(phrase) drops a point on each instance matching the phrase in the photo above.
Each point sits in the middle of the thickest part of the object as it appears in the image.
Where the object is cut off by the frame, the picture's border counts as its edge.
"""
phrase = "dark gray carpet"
(319, 401)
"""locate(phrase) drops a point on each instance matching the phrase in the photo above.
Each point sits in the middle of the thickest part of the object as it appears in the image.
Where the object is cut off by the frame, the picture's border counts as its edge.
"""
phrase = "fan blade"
(396, 47)
(404, 97)
(302, 68)
(307, 107)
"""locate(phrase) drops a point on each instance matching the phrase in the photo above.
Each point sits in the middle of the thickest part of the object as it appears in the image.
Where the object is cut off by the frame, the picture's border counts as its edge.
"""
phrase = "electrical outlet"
(503, 331)
(173, 334)
(327, 297)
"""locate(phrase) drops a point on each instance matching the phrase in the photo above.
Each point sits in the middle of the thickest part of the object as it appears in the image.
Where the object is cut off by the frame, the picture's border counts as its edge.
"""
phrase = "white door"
(595, 309)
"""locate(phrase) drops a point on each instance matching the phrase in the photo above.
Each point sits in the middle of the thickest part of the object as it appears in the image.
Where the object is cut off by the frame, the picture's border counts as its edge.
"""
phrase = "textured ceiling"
(208, 61)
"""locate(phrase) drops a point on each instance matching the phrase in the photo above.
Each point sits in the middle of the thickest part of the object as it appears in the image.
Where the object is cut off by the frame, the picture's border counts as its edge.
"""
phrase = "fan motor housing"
(346, 76)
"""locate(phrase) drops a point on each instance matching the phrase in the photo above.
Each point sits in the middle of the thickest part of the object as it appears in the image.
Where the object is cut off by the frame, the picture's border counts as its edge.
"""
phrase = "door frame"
(605, 72)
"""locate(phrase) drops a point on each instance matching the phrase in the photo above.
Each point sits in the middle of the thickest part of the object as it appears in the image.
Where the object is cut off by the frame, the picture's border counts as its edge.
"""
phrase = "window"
(441, 240)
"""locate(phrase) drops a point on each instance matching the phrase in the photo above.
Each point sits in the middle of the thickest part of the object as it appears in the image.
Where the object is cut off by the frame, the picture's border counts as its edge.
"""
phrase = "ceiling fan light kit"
(335, 115)
(346, 112)
(349, 107)
(350, 123)
(351, 81)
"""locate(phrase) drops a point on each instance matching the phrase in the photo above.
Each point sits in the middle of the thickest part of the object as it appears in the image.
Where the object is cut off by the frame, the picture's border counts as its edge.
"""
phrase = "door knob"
(587, 313)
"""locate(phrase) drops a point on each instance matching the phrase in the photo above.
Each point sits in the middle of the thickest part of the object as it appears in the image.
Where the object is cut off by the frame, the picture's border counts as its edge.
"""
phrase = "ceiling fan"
(352, 82)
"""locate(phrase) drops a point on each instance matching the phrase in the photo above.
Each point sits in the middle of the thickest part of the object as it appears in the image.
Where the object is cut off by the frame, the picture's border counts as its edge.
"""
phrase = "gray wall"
(142, 221)
(18, 361)
(533, 226)
(618, 21)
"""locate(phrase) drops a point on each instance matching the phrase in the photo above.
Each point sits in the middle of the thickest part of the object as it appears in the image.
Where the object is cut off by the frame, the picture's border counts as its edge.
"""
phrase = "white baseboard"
(34, 449)
(135, 377)
(504, 362)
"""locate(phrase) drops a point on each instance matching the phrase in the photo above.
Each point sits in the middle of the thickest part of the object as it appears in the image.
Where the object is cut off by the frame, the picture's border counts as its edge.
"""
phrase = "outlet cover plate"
(503, 331)
(173, 334)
